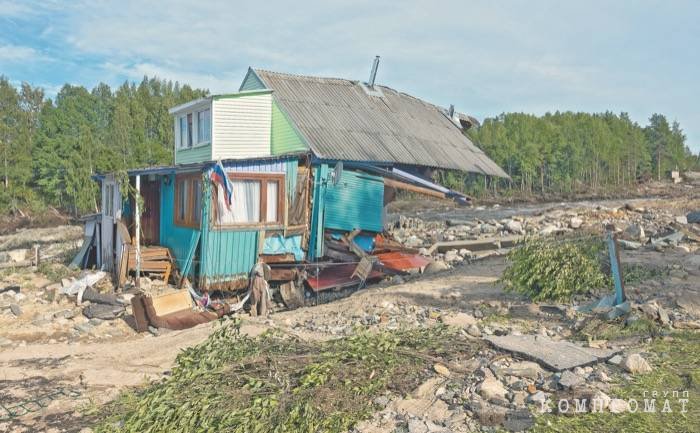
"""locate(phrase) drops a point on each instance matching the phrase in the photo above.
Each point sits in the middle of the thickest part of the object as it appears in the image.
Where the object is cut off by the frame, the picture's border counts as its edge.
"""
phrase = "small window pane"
(272, 201)
(204, 126)
(183, 131)
(182, 200)
(189, 130)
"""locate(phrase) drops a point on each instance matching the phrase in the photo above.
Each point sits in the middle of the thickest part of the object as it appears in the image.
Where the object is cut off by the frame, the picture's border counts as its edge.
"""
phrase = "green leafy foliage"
(50, 149)
(554, 270)
(568, 152)
(274, 383)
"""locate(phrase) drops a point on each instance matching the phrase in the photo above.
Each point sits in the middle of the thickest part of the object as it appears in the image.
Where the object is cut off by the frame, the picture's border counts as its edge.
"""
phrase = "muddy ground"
(56, 366)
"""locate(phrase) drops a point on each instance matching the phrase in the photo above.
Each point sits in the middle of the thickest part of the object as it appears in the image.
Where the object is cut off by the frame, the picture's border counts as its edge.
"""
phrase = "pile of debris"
(30, 247)
(455, 241)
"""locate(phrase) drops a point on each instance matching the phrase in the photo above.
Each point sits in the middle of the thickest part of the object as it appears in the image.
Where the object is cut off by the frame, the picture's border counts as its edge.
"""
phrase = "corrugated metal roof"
(339, 120)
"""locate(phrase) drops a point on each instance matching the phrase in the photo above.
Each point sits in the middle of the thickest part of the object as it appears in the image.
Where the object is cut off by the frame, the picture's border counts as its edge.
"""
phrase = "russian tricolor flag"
(218, 175)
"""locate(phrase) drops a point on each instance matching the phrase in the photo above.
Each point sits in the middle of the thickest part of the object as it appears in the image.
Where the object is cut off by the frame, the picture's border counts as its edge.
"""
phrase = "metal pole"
(137, 235)
(616, 269)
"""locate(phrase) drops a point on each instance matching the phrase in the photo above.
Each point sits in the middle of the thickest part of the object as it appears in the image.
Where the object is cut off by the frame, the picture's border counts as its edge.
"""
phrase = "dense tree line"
(51, 148)
(571, 152)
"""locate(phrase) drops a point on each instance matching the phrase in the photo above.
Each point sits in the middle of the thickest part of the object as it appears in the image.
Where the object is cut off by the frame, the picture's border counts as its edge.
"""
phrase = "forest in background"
(567, 152)
(50, 148)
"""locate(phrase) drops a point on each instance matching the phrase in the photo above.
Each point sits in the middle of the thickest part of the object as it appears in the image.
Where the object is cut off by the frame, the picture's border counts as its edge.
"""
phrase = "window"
(189, 130)
(257, 199)
(188, 200)
(183, 132)
(109, 200)
(204, 126)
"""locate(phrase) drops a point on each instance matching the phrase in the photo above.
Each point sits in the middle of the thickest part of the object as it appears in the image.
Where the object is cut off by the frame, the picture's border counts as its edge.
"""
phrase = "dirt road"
(97, 371)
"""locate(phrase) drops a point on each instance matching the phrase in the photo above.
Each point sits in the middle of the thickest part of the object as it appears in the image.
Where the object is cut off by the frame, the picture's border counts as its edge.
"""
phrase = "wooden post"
(137, 235)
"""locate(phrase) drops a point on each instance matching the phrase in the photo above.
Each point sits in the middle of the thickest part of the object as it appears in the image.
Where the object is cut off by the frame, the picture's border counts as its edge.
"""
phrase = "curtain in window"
(245, 203)
(272, 201)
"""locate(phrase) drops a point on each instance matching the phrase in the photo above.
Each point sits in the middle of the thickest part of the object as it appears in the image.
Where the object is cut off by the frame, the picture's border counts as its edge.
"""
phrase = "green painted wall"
(356, 202)
(177, 238)
(194, 154)
(284, 137)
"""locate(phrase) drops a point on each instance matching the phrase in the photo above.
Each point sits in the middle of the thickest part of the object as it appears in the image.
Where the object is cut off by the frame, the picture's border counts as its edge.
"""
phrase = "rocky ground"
(58, 364)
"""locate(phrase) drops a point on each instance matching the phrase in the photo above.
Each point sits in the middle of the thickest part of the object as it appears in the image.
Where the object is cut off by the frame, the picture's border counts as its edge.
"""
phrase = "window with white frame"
(185, 131)
(203, 126)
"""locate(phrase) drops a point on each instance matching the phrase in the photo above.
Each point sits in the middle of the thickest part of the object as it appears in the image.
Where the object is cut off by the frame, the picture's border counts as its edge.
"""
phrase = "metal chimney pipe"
(451, 111)
(373, 72)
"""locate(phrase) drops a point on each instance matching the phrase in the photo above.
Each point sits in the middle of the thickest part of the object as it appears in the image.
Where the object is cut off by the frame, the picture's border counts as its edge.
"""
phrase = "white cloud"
(16, 53)
(218, 83)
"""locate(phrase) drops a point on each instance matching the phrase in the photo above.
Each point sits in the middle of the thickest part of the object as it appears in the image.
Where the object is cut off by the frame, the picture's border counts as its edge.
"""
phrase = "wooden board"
(172, 302)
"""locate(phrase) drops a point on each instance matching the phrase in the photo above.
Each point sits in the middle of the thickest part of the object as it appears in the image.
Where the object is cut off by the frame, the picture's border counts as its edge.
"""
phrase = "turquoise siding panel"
(317, 211)
(251, 82)
(176, 238)
(194, 154)
(356, 202)
(228, 253)
(225, 254)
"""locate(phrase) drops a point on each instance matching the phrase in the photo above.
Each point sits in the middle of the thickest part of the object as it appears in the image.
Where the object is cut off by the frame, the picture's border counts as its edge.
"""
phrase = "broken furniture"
(155, 261)
(174, 310)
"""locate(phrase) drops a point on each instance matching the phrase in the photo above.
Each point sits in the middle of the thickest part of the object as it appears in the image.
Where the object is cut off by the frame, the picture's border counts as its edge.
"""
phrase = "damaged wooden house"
(309, 165)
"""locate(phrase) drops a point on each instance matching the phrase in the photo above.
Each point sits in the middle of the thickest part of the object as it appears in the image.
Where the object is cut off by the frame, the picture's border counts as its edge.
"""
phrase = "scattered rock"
(488, 414)
(492, 389)
(538, 398)
(16, 310)
(417, 426)
(515, 227)
(527, 369)
(615, 360)
(436, 266)
(462, 320)
(634, 363)
(618, 405)
(575, 222)
(441, 370)
(570, 380)
(474, 331)
(693, 217)
(519, 420)
(635, 232)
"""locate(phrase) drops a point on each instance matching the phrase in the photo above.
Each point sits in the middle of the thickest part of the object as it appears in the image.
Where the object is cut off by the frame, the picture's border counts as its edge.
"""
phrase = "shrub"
(554, 270)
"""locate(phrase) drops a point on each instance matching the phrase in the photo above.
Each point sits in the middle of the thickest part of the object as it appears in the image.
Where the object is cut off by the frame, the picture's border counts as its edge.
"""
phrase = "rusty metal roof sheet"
(340, 120)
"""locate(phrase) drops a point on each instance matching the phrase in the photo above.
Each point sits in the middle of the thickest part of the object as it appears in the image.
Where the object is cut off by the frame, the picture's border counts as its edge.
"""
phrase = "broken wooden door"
(150, 216)
(111, 211)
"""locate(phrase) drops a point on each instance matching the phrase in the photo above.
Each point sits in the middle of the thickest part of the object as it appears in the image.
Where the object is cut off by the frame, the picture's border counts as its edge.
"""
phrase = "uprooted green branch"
(274, 383)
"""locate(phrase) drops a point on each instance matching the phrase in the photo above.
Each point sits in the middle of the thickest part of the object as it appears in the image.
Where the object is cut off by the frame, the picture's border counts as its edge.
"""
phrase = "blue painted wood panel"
(356, 202)
(177, 238)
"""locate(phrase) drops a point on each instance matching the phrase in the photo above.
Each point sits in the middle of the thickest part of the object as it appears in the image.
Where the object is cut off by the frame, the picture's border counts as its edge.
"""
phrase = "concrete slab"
(555, 355)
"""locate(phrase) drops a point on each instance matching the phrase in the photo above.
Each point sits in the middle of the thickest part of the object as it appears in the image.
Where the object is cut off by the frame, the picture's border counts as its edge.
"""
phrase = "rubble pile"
(637, 227)
(72, 310)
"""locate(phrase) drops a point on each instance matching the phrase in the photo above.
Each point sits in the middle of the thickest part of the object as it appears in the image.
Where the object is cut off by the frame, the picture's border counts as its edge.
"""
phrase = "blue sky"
(485, 57)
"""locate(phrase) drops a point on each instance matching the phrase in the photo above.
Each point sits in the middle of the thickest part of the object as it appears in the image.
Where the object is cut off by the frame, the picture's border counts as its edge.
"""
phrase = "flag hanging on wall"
(218, 176)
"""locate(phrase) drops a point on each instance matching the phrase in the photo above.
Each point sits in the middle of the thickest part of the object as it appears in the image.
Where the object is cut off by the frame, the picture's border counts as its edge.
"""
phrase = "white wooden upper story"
(231, 126)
